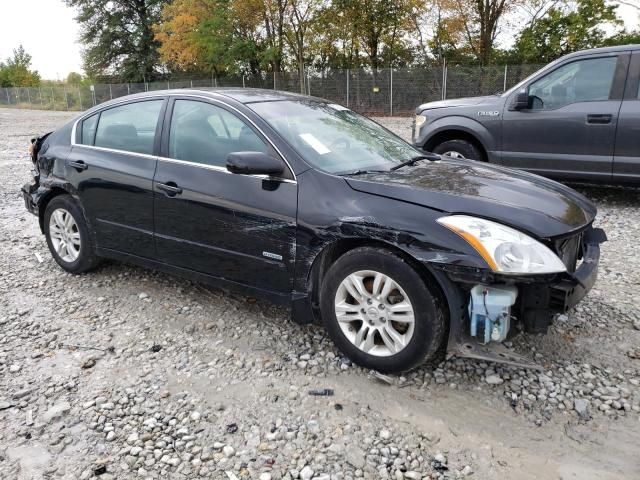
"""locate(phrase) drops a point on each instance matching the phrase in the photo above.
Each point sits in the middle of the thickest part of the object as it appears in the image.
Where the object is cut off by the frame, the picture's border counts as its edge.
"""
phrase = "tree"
(379, 24)
(302, 16)
(623, 38)
(176, 34)
(223, 35)
(565, 29)
(449, 38)
(274, 15)
(16, 71)
(118, 38)
(481, 21)
(335, 42)
(74, 78)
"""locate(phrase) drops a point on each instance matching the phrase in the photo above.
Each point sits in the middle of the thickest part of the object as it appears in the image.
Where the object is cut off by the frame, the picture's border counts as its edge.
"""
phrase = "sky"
(49, 33)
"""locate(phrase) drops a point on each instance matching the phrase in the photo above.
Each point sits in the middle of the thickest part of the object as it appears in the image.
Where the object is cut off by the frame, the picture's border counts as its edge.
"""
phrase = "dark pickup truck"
(578, 118)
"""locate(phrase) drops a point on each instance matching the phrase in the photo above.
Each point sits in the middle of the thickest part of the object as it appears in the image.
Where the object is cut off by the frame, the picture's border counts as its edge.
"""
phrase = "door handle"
(79, 165)
(170, 188)
(599, 118)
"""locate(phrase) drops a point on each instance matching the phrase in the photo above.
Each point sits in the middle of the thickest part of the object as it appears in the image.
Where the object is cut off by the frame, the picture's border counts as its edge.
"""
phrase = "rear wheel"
(67, 235)
(380, 312)
(459, 149)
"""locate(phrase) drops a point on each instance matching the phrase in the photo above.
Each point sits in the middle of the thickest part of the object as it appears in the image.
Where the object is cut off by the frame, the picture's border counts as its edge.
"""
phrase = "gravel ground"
(127, 373)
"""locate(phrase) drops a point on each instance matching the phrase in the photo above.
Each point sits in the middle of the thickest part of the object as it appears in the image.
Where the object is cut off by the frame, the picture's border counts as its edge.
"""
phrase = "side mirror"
(521, 102)
(254, 163)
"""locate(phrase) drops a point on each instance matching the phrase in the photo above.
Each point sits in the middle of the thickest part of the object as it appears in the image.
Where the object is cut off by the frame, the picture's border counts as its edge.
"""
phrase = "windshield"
(333, 138)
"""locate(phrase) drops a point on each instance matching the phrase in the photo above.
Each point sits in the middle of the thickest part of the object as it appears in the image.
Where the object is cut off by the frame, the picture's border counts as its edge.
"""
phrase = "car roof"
(617, 48)
(242, 95)
(249, 95)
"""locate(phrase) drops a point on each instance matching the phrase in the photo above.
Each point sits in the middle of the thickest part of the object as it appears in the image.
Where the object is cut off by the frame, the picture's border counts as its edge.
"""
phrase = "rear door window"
(130, 127)
(89, 129)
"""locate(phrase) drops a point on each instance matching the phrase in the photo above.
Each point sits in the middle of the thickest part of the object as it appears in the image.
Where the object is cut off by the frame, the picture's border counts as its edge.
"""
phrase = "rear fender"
(36, 146)
(46, 191)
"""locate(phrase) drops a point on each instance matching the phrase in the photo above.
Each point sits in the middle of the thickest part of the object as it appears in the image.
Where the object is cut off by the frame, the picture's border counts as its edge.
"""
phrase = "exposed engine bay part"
(490, 312)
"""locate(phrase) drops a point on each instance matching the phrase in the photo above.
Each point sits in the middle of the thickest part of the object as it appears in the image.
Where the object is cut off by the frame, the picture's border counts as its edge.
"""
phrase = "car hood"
(525, 201)
(458, 102)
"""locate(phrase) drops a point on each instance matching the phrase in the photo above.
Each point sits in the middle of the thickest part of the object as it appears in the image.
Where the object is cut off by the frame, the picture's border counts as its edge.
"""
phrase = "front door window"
(206, 134)
(586, 80)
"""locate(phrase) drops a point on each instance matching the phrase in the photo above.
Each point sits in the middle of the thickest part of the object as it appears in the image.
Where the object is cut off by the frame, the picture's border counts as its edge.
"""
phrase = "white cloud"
(47, 31)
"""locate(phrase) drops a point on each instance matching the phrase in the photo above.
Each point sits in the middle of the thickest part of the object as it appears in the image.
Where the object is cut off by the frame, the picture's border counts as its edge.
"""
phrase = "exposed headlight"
(420, 119)
(505, 249)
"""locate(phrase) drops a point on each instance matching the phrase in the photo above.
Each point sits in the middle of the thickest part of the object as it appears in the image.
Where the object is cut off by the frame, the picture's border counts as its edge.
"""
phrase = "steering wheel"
(340, 141)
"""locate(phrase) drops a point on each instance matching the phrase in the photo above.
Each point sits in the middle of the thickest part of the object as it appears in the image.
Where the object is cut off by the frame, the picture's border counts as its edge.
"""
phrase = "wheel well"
(42, 205)
(447, 135)
(333, 252)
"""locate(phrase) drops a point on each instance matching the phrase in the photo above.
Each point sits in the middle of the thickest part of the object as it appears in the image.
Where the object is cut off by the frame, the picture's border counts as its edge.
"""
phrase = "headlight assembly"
(505, 249)
(420, 119)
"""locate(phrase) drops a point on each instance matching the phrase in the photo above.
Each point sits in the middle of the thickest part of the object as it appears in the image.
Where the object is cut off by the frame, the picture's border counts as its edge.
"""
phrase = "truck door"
(569, 129)
(626, 160)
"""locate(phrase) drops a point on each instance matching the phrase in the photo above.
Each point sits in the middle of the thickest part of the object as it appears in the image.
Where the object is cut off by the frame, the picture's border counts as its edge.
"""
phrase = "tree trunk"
(301, 62)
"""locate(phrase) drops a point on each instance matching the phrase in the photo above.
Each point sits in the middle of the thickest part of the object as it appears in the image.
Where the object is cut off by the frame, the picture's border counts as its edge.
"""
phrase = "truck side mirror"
(521, 102)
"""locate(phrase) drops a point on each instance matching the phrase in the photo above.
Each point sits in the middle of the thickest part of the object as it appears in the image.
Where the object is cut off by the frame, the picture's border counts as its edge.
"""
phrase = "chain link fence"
(385, 92)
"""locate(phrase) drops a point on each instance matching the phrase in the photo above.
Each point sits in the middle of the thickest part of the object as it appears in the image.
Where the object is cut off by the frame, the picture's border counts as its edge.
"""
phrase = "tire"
(461, 149)
(78, 255)
(421, 341)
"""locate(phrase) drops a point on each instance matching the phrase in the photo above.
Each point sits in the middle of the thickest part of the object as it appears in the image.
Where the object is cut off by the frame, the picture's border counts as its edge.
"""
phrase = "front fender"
(460, 123)
(313, 262)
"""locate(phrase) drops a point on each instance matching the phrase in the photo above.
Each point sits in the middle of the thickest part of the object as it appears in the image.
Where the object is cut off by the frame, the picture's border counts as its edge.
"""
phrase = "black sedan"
(401, 254)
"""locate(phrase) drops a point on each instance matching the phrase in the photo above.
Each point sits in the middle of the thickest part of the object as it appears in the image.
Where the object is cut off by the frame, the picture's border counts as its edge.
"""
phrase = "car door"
(626, 161)
(569, 129)
(111, 165)
(240, 228)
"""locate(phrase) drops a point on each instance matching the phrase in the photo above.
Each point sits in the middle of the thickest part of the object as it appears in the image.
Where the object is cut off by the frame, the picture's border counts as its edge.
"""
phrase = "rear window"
(89, 129)
(130, 127)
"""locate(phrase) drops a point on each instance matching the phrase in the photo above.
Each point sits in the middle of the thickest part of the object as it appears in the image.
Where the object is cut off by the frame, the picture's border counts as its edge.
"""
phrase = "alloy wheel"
(65, 235)
(374, 313)
(454, 154)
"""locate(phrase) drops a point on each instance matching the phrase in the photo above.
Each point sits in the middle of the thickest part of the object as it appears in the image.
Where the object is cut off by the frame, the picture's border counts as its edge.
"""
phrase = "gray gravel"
(127, 373)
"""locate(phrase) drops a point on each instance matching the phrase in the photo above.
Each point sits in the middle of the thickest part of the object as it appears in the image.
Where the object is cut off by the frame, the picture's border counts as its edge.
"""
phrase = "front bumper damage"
(540, 299)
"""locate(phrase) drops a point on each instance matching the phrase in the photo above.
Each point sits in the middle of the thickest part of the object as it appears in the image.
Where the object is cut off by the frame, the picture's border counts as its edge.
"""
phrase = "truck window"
(587, 80)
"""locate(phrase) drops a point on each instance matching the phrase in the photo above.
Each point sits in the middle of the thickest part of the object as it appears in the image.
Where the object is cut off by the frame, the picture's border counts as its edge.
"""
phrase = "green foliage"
(214, 36)
(136, 40)
(623, 38)
(16, 71)
(563, 30)
(226, 46)
(74, 78)
(118, 38)
(377, 26)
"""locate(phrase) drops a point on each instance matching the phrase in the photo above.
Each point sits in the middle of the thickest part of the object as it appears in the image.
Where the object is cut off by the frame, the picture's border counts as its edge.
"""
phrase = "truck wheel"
(380, 312)
(459, 149)
(67, 235)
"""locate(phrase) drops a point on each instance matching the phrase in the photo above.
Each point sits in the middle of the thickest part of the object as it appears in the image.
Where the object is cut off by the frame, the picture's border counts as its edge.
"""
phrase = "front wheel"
(461, 149)
(380, 312)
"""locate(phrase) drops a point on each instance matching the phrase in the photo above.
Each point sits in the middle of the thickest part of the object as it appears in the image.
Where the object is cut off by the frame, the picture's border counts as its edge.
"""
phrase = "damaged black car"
(401, 254)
